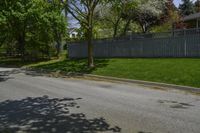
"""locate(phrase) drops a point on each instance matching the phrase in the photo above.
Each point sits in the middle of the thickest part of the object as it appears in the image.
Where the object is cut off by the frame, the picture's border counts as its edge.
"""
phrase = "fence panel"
(179, 46)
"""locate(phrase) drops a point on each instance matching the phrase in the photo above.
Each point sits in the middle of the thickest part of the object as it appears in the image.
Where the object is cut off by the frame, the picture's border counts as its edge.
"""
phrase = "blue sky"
(177, 2)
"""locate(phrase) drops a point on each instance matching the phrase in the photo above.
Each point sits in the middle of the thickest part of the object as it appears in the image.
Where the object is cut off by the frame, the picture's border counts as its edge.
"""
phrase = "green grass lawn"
(166, 70)
(173, 71)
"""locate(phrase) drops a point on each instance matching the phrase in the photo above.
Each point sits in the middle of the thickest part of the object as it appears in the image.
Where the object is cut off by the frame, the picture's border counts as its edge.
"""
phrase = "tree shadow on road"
(2, 79)
(5, 75)
(47, 115)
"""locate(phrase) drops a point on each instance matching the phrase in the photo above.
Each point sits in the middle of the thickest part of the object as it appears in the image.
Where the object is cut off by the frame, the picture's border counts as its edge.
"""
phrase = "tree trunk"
(126, 26)
(58, 47)
(143, 27)
(89, 38)
(21, 43)
(115, 31)
(116, 27)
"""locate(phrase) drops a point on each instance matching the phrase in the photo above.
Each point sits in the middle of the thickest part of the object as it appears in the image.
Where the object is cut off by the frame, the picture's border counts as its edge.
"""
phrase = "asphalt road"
(39, 104)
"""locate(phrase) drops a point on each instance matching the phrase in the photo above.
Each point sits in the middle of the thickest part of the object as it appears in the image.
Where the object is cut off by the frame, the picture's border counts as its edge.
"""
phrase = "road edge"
(114, 79)
(146, 83)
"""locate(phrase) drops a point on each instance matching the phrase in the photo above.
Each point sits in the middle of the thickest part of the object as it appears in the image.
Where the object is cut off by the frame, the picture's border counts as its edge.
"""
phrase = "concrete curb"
(146, 83)
(122, 80)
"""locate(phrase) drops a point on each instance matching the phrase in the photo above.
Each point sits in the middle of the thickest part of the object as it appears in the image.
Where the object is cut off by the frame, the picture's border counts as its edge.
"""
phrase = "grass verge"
(177, 71)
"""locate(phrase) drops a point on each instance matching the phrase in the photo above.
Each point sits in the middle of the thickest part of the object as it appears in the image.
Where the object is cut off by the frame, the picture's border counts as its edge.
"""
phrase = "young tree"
(169, 9)
(169, 16)
(186, 8)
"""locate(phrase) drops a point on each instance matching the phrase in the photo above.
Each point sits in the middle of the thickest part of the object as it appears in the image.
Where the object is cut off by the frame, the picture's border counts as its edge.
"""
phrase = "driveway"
(38, 104)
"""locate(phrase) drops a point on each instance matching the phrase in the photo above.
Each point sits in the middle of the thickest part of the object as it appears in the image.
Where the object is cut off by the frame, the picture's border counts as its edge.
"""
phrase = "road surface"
(38, 104)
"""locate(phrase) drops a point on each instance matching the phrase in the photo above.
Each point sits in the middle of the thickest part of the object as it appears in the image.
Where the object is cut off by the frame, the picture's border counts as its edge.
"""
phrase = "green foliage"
(30, 27)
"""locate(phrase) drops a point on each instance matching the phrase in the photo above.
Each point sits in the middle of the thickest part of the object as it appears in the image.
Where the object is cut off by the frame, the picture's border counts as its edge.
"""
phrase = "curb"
(123, 80)
(146, 83)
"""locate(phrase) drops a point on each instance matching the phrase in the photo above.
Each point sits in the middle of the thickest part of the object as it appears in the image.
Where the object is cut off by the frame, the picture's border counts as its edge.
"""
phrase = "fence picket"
(177, 46)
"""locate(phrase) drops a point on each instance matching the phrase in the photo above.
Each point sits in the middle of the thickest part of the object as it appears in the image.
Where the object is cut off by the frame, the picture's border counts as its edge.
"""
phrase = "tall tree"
(83, 11)
(111, 14)
(28, 26)
(57, 23)
(118, 14)
(186, 8)
(128, 14)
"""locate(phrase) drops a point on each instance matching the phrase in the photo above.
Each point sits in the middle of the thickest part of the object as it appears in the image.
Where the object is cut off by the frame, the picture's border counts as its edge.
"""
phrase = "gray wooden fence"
(181, 46)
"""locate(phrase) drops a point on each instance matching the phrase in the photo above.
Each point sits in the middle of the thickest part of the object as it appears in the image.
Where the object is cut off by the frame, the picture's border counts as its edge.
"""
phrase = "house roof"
(192, 17)
(72, 30)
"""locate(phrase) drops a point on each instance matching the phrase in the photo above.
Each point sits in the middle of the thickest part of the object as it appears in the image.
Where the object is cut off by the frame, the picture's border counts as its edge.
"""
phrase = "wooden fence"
(180, 46)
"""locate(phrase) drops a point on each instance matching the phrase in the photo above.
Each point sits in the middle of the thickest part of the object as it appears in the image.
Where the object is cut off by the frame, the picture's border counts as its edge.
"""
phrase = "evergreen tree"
(197, 6)
(186, 8)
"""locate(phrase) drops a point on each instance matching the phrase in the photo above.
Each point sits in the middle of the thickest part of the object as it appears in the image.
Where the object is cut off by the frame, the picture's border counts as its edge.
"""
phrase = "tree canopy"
(30, 26)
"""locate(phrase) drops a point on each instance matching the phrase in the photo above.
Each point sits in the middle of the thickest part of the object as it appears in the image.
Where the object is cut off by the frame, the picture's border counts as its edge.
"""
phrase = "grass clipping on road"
(167, 70)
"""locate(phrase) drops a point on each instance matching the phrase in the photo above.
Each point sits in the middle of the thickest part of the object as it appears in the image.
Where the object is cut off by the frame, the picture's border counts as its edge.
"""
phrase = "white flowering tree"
(148, 12)
(145, 13)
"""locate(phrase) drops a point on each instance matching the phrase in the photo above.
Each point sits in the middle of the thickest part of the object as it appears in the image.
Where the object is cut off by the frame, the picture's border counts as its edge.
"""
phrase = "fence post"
(185, 43)
(173, 27)
(131, 35)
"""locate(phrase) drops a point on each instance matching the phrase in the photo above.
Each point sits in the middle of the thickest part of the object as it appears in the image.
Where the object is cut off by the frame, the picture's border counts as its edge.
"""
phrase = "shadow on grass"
(47, 115)
(73, 66)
